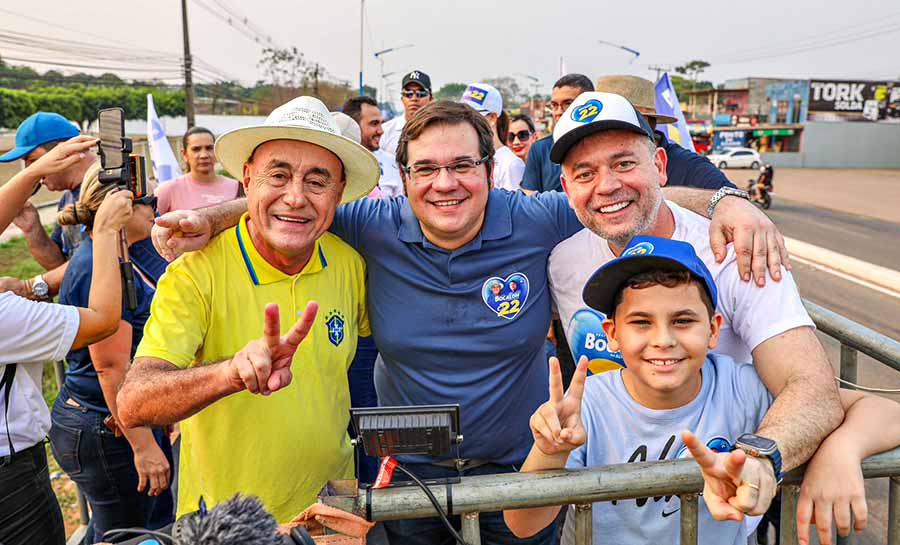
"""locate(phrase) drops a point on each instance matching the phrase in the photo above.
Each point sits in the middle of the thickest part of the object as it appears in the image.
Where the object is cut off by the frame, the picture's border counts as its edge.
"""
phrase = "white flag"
(165, 166)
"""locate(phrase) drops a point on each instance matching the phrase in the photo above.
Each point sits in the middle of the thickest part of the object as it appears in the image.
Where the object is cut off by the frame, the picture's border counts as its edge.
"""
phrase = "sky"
(466, 41)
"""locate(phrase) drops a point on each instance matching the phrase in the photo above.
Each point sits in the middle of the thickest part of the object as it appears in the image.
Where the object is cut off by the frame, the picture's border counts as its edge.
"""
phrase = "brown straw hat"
(638, 91)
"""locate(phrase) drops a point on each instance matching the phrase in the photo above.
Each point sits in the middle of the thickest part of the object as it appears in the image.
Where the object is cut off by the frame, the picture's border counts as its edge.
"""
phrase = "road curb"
(857, 268)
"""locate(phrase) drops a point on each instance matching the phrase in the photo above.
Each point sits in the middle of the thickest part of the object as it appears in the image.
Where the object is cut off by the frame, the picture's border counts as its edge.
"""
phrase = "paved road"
(871, 240)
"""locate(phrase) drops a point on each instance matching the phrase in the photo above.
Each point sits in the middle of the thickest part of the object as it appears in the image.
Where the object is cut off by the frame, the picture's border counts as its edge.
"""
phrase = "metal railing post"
(689, 516)
(790, 493)
(584, 524)
(894, 512)
(471, 531)
(848, 365)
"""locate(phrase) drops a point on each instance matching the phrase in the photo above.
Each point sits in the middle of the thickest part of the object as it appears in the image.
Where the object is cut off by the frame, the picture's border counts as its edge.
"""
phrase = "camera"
(118, 165)
(126, 170)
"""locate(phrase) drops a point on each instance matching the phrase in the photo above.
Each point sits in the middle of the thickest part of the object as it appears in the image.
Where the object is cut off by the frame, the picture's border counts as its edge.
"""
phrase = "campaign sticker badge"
(506, 297)
(586, 338)
(716, 444)
(642, 248)
(475, 94)
(334, 324)
(587, 111)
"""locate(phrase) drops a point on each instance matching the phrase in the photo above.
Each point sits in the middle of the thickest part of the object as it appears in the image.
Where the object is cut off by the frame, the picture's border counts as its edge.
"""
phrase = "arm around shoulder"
(795, 369)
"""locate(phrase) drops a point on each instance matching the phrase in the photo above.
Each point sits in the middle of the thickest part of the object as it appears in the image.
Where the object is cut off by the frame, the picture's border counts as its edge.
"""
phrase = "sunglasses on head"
(149, 200)
(418, 93)
(522, 135)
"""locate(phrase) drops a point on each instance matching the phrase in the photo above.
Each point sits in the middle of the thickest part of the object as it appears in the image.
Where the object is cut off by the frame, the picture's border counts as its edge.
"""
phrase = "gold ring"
(751, 485)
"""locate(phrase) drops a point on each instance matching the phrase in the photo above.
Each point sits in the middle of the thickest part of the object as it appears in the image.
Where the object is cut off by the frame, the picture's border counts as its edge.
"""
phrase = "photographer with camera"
(121, 471)
(38, 136)
(32, 333)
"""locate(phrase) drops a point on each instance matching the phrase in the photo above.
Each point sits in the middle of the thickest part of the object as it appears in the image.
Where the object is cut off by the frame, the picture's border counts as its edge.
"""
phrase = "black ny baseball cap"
(417, 76)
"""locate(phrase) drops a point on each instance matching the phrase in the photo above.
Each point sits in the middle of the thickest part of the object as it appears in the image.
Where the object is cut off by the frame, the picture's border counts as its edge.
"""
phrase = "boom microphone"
(241, 520)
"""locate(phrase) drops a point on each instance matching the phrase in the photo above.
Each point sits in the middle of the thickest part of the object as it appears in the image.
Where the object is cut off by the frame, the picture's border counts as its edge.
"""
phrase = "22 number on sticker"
(588, 111)
(508, 308)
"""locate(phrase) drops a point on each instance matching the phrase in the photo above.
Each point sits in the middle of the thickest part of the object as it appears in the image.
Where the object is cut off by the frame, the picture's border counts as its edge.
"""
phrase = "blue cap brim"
(600, 290)
(17, 153)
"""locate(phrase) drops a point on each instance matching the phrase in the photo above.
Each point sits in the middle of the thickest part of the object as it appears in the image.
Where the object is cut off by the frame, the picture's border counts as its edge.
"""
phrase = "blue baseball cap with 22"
(644, 254)
(38, 129)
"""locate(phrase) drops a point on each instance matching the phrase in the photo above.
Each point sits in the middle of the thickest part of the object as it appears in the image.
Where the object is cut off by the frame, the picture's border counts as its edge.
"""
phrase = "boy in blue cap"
(660, 300)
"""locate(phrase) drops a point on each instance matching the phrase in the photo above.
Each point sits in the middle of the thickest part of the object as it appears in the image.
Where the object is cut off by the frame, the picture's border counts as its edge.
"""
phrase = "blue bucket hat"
(644, 254)
(38, 129)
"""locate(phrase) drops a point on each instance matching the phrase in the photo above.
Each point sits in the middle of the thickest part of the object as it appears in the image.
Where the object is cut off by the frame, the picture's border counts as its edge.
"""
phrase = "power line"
(821, 40)
(95, 67)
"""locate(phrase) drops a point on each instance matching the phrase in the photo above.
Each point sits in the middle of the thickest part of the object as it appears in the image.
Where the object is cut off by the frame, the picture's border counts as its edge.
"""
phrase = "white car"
(736, 158)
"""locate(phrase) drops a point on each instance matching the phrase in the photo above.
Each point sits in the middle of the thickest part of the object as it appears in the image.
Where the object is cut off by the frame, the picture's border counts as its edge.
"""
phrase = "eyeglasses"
(457, 169)
(553, 106)
(522, 135)
(418, 93)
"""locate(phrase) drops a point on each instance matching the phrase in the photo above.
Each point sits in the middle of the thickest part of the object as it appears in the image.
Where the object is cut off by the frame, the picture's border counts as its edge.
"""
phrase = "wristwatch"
(761, 447)
(39, 289)
(721, 194)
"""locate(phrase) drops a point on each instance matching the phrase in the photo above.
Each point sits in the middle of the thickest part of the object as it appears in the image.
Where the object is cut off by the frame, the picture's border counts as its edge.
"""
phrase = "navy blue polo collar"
(497, 221)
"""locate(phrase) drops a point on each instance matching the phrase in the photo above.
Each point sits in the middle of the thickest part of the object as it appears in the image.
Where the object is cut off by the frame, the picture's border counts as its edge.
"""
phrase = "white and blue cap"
(486, 99)
(641, 255)
(594, 112)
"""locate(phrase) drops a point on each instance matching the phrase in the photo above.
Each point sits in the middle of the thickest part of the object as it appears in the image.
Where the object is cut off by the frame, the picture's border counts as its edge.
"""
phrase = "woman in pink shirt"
(200, 187)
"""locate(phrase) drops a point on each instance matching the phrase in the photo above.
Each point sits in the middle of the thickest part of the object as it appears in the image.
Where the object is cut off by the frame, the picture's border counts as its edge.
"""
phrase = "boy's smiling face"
(663, 334)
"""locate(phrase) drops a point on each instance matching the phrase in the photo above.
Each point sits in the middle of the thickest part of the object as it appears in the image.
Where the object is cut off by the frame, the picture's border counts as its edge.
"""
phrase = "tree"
(681, 84)
(15, 106)
(509, 89)
(450, 91)
(692, 69)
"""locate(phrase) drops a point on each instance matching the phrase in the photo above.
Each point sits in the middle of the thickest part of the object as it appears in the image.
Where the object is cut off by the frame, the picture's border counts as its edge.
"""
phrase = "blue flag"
(667, 104)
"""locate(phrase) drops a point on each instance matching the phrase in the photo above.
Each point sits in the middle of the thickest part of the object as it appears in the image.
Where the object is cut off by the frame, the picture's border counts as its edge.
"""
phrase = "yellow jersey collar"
(261, 272)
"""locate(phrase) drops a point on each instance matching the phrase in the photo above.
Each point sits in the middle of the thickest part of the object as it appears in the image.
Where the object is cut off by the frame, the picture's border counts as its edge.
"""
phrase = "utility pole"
(658, 70)
(362, 10)
(316, 81)
(188, 80)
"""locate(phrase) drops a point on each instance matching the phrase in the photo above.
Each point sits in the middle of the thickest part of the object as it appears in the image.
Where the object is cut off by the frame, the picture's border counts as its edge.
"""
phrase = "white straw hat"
(305, 119)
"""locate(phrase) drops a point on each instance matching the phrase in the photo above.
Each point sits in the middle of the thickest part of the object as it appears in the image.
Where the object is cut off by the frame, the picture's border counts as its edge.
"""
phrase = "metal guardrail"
(582, 487)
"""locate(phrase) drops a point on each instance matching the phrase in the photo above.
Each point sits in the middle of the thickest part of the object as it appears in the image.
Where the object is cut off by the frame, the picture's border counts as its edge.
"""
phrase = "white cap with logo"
(594, 112)
(484, 98)
(305, 119)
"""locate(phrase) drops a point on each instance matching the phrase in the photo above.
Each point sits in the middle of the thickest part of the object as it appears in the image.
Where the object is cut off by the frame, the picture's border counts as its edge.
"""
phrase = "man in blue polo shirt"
(434, 260)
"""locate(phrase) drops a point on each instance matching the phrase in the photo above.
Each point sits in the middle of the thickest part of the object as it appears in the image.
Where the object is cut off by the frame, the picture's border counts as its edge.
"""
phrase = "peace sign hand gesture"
(264, 365)
(556, 425)
(734, 483)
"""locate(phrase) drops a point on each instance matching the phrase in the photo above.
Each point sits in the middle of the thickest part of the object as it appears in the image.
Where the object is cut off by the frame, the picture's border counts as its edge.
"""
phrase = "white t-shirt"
(391, 136)
(508, 169)
(732, 401)
(389, 183)
(31, 333)
(751, 314)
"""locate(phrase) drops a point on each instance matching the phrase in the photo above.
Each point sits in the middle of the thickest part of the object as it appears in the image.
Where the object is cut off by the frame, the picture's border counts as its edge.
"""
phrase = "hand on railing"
(556, 425)
(734, 484)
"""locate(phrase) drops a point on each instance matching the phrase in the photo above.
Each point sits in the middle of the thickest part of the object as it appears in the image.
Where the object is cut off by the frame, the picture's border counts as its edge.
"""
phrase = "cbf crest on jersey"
(506, 297)
(334, 323)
